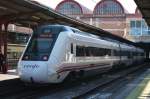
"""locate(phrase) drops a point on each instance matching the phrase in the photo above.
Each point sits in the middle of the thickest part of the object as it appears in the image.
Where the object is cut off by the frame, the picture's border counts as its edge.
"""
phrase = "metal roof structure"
(28, 13)
(144, 7)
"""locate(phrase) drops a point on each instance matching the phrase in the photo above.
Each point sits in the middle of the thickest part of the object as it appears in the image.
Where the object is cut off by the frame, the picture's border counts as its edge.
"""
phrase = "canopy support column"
(5, 47)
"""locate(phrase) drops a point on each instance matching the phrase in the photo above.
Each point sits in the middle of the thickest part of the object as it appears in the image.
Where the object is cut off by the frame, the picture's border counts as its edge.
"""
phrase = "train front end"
(33, 66)
(33, 72)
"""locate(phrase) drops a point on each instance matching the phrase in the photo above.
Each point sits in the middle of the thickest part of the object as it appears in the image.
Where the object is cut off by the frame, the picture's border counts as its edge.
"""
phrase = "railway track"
(108, 85)
(18, 90)
(76, 89)
(87, 86)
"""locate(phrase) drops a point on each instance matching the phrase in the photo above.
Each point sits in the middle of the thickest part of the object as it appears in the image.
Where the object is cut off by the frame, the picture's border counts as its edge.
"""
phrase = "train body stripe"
(70, 68)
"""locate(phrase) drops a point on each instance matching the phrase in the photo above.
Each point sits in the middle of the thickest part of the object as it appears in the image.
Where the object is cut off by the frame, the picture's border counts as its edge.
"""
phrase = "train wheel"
(71, 76)
(81, 73)
(75, 75)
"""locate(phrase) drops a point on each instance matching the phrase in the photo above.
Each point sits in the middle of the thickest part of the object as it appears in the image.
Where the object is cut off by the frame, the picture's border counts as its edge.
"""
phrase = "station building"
(137, 29)
(111, 16)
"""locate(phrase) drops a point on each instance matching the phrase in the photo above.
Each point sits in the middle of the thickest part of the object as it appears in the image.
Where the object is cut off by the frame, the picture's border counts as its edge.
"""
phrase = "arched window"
(108, 7)
(69, 8)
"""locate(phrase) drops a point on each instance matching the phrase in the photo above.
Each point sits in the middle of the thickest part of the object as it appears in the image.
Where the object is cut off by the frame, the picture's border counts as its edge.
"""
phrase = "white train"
(55, 51)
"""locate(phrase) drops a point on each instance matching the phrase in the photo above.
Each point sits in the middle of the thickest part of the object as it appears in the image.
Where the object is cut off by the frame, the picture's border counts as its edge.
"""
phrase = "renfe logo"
(31, 66)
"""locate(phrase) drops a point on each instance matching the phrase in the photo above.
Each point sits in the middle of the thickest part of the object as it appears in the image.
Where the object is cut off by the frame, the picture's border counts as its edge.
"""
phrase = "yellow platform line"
(142, 90)
(146, 92)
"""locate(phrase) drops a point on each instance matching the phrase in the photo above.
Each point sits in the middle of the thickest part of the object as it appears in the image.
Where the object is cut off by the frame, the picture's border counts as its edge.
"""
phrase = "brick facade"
(117, 24)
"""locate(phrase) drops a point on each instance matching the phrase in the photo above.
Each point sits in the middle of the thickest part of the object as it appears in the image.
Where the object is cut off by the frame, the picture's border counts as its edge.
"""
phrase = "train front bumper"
(33, 72)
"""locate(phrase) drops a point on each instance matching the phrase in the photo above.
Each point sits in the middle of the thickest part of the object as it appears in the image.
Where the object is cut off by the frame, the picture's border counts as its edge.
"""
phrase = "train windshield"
(42, 42)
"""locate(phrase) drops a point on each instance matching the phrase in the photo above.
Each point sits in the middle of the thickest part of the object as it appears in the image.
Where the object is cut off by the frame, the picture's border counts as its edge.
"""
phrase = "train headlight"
(26, 57)
(45, 57)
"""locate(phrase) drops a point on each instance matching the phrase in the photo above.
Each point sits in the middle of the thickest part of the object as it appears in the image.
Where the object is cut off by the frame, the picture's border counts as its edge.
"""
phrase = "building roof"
(144, 7)
(106, 3)
(84, 10)
(28, 13)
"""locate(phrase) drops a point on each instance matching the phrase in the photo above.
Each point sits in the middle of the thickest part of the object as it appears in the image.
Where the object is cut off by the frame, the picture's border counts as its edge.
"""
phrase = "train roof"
(109, 41)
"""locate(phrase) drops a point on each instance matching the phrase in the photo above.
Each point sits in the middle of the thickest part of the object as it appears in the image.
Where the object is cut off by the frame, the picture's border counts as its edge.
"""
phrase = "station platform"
(12, 74)
(142, 89)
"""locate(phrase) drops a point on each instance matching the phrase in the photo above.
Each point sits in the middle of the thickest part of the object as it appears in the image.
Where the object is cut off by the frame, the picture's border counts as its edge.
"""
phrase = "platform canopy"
(144, 7)
(30, 13)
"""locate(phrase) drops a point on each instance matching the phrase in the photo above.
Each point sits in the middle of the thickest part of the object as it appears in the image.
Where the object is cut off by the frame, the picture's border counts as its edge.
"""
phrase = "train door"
(120, 51)
(71, 53)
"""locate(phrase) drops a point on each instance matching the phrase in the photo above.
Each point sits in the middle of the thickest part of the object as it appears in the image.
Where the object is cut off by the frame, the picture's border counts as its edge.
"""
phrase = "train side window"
(91, 51)
(117, 53)
(87, 51)
(78, 51)
(108, 52)
(74, 31)
(71, 48)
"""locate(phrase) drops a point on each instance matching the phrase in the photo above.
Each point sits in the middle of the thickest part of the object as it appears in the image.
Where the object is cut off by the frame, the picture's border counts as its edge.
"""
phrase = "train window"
(81, 32)
(101, 52)
(142, 54)
(71, 48)
(95, 52)
(87, 51)
(92, 51)
(42, 42)
(108, 52)
(74, 31)
(124, 53)
(116, 52)
(129, 54)
(80, 51)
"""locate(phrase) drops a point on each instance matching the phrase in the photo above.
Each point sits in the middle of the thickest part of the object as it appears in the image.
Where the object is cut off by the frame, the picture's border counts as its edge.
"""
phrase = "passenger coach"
(56, 51)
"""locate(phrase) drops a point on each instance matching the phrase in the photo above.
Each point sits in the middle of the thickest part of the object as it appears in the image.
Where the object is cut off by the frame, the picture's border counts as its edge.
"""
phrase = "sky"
(129, 5)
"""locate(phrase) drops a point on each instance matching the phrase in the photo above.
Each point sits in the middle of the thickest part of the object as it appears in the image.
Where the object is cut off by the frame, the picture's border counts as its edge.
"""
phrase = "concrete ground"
(12, 74)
